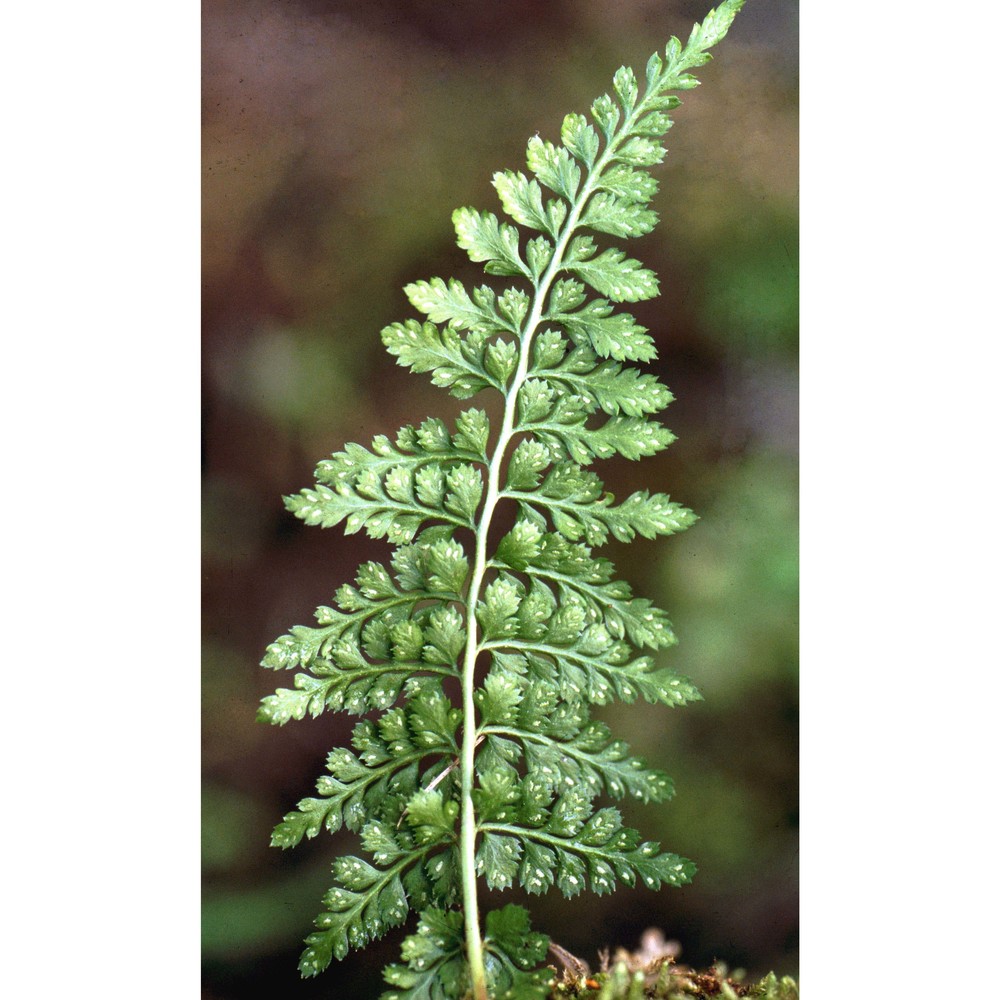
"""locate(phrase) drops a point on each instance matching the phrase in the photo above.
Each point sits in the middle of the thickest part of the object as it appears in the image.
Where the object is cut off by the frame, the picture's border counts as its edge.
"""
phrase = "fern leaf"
(385, 772)
(554, 167)
(605, 385)
(458, 362)
(617, 276)
(586, 848)
(392, 491)
(513, 951)
(451, 303)
(399, 647)
(563, 747)
(435, 962)
(434, 570)
(365, 904)
(435, 968)
(548, 556)
(578, 507)
(487, 239)
(366, 900)
(437, 796)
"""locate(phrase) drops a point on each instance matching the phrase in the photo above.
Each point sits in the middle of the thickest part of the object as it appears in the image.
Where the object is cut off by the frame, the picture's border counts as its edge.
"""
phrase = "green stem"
(469, 828)
(467, 846)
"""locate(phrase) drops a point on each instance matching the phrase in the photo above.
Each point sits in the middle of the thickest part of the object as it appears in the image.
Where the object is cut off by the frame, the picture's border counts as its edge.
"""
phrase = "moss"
(652, 971)
(674, 982)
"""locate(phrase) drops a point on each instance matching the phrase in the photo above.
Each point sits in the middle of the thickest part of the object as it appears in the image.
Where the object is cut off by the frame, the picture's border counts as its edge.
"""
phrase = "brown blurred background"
(338, 137)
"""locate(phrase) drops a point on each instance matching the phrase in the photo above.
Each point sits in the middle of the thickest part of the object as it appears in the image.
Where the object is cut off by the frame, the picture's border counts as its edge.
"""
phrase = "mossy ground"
(678, 983)
(653, 972)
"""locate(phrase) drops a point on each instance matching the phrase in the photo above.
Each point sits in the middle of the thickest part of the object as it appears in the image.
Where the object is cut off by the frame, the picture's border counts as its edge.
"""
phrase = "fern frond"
(435, 960)
(398, 649)
(364, 904)
(605, 385)
(513, 952)
(385, 772)
(436, 969)
(573, 846)
(503, 785)
(591, 664)
(562, 746)
(412, 868)
(570, 566)
(578, 508)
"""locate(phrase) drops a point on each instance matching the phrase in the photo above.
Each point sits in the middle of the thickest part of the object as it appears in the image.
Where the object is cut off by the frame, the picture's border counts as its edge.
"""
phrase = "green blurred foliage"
(750, 299)
(227, 817)
(338, 139)
(240, 923)
(734, 581)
